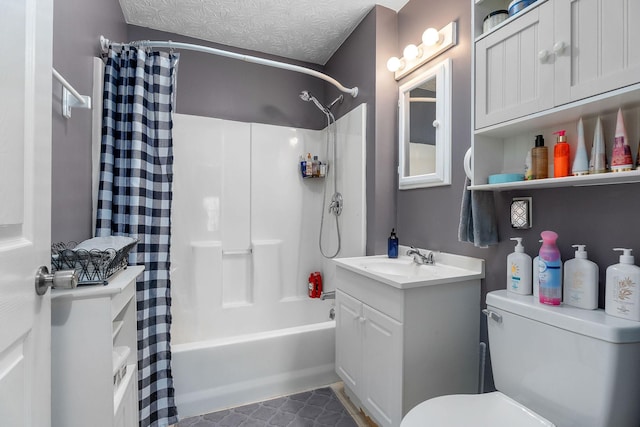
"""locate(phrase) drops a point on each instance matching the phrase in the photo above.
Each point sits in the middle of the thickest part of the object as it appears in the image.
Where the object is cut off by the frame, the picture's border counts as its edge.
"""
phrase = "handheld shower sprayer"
(305, 95)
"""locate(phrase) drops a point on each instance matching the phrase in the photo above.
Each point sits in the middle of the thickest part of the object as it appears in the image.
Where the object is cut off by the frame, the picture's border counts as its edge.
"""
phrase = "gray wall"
(361, 61)
(77, 25)
(600, 217)
(225, 88)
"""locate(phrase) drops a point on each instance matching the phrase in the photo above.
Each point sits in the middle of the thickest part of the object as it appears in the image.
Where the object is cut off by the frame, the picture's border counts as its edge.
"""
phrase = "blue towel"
(478, 223)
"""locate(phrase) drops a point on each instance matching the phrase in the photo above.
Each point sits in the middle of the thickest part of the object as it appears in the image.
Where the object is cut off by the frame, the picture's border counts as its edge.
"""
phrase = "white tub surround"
(406, 332)
(244, 241)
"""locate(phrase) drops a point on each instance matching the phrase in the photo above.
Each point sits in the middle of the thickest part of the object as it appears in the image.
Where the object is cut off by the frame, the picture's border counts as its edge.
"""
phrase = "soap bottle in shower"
(316, 167)
(392, 245)
(309, 171)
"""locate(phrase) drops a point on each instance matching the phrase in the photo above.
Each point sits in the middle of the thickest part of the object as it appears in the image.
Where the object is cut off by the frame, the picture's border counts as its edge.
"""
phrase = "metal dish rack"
(93, 266)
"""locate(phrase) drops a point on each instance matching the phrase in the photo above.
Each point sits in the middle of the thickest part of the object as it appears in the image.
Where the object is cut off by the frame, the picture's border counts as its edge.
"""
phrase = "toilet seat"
(465, 410)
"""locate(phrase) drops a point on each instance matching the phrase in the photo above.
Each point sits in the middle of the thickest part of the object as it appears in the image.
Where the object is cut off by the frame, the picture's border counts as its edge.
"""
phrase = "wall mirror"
(425, 128)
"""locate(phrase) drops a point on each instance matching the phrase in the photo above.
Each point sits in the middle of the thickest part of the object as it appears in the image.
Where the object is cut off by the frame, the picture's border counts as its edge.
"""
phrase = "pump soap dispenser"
(519, 270)
(581, 281)
(622, 298)
(392, 245)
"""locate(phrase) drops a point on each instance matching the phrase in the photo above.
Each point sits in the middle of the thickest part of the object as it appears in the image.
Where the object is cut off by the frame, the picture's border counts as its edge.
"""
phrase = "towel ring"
(467, 163)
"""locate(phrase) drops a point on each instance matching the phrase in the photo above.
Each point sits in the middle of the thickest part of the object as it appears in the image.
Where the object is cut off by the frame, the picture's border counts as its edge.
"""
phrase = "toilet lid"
(465, 410)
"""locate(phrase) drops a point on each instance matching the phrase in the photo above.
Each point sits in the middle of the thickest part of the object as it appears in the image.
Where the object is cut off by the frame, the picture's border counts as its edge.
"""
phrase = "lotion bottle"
(561, 155)
(519, 270)
(550, 274)
(622, 296)
(581, 281)
(392, 245)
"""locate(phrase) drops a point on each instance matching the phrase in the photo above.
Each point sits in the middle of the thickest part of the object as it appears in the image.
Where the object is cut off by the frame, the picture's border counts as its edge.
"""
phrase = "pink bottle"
(550, 270)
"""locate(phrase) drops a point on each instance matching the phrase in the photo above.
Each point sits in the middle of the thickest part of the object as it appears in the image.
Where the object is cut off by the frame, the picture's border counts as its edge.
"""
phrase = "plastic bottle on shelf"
(540, 159)
(581, 161)
(622, 296)
(315, 167)
(550, 274)
(303, 166)
(561, 155)
(519, 270)
(598, 162)
(621, 159)
(309, 171)
(581, 281)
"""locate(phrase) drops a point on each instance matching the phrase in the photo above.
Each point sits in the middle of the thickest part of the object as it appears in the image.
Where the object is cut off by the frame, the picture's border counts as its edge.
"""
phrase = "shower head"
(305, 95)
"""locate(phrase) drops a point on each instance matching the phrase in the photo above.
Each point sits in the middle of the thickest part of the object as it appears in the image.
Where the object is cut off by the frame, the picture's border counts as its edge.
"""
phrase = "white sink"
(403, 272)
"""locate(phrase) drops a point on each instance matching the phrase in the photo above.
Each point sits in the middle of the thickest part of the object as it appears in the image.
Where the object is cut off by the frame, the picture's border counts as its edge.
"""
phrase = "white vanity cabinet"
(541, 71)
(92, 329)
(397, 346)
(369, 356)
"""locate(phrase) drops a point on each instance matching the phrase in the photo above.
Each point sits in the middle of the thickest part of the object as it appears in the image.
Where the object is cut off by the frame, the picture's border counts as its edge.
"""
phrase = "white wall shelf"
(568, 181)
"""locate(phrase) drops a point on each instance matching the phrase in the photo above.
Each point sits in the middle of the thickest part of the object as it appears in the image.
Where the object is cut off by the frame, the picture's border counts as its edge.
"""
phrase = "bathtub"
(228, 372)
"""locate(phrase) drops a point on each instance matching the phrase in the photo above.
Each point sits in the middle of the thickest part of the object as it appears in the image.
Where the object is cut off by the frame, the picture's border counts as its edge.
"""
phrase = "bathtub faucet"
(328, 295)
(420, 258)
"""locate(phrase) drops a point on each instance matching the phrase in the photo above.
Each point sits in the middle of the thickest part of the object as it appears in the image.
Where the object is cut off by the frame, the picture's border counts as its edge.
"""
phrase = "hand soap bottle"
(392, 245)
(622, 297)
(519, 270)
(550, 270)
(581, 281)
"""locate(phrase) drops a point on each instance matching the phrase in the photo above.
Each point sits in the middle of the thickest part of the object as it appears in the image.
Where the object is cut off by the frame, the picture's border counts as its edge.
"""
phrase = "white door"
(25, 211)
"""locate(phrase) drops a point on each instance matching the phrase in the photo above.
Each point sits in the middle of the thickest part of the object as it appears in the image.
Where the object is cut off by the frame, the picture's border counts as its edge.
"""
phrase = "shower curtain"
(135, 200)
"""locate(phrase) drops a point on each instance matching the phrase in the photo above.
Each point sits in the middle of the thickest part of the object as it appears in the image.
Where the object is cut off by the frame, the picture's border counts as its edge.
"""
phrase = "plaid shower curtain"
(135, 200)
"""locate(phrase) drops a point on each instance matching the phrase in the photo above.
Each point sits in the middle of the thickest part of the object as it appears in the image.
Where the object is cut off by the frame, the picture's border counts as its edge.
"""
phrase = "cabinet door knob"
(436, 123)
(543, 55)
(361, 319)
(559, 47)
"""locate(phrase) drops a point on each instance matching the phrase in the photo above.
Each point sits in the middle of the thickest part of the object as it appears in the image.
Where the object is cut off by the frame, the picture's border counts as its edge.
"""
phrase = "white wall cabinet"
(91, 328)
(398, 347)
(543, 69)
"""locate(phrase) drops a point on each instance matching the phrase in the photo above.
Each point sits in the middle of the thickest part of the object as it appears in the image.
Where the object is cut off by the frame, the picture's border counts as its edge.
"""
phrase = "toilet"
(553, 366)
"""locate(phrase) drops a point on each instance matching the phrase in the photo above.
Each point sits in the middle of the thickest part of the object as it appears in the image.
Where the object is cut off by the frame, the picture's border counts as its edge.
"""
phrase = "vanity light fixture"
(434, 42)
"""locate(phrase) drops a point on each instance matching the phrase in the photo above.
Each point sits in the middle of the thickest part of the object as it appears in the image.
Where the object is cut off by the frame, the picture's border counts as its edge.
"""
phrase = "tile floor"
(316, 408)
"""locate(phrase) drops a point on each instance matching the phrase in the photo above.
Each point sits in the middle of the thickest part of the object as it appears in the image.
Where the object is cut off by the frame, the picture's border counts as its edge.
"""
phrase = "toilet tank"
(574, 367)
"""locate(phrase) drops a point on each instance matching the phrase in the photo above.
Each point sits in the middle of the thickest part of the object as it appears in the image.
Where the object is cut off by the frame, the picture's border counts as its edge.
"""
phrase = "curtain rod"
(105, 43)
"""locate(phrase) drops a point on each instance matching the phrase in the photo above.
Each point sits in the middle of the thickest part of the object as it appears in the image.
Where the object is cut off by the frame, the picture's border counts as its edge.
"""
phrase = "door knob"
(63, 279)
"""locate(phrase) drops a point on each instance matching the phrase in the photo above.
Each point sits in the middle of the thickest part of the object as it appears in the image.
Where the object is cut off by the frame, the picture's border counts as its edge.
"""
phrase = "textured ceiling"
(306, 30)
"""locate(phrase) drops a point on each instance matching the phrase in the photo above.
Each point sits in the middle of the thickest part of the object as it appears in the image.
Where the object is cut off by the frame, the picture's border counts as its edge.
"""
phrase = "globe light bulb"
(411, 52)
(430, 37)
(394, 64)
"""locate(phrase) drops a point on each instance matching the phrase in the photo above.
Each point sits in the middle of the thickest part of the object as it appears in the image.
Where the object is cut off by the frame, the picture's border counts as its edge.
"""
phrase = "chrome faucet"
(420, 258)
(328, 295)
